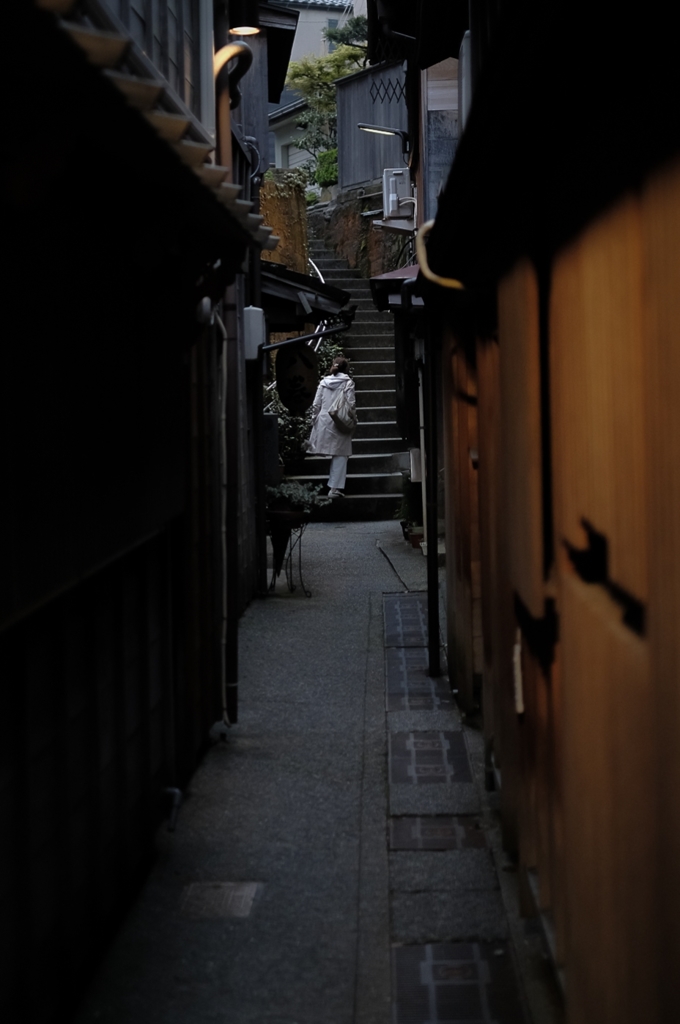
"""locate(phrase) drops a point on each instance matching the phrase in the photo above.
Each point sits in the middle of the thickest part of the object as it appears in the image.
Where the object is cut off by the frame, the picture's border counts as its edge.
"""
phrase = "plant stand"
(286, 530)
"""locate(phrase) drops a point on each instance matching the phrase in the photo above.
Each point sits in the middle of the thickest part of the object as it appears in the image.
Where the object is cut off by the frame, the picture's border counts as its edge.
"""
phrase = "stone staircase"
(374, 479)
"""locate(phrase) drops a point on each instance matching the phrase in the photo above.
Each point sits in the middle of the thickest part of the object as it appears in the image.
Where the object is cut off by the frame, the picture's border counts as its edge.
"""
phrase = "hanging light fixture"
(244, 17)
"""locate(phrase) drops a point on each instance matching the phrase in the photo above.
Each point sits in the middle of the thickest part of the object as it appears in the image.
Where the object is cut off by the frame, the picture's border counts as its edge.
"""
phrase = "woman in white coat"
(325, 438)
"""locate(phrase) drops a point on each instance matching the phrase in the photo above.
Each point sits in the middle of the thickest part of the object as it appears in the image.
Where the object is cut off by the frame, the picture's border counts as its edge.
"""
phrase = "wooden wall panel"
(450, 487)
(459, 385)
(86, 749)
(488, 399)
(596, 361)
(475, 565)
(661, 239)
(498, 625)
(609, 828)
(520, 381)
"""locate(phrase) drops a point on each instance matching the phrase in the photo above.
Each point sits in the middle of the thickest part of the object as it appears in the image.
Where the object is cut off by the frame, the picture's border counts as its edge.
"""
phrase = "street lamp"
(379, 129)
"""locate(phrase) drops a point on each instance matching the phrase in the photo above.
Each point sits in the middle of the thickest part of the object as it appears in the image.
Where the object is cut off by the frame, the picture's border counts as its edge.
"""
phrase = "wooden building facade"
(123, 239)
(560, 366)
(559, 363)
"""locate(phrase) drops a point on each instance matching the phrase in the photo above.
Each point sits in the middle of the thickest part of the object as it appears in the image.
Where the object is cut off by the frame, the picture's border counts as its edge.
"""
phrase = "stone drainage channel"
(451, 959)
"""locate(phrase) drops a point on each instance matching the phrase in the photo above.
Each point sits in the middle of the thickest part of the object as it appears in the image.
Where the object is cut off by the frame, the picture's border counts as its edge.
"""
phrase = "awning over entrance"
(386, 289)
(291, 300)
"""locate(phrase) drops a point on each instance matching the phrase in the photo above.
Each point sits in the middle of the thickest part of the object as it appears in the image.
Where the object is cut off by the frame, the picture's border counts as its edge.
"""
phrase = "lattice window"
(387, 90)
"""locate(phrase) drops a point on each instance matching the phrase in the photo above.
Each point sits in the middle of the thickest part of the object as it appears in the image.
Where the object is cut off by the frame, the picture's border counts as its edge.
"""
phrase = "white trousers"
(338, 473)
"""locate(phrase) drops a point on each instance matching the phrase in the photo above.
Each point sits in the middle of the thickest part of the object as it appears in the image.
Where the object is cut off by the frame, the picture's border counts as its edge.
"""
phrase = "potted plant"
(289, 506)
(410, 512)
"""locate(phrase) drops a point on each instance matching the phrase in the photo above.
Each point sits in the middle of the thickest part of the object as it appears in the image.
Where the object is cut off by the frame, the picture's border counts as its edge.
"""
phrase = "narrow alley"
(330, 862)
(340, 548)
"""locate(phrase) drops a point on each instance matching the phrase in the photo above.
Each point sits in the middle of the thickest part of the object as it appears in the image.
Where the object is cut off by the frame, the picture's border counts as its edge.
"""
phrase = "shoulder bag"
(343, 412)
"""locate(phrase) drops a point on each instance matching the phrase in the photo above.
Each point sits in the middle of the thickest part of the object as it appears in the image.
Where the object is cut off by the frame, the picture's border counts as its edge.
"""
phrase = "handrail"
(306, 337)
(316, 269)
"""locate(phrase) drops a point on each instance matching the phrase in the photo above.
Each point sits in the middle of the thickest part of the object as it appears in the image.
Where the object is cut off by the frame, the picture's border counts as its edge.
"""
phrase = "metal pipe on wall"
(231, 510)
(431, 479)
(223, 510)
(257, 403)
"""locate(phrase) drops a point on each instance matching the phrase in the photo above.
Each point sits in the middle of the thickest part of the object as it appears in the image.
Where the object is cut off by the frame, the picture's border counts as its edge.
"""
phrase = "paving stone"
(442, 871)
(453, 798)
(428, 758)
(405, 620)
(219, 899)
(443, 832)
(408, 685)
(444, 719)
(444, 917)
(455, 983)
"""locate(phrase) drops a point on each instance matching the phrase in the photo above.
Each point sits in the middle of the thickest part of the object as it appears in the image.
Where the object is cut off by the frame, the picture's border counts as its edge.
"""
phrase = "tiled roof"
(336, 5)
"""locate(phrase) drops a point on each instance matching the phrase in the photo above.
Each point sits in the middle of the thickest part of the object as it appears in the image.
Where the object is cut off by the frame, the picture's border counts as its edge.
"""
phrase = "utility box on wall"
(254, 331)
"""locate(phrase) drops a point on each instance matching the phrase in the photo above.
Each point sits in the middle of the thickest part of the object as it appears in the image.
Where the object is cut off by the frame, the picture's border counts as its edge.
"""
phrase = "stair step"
(362, 327)
(372, 316)
(362, 463)
(378, 445)
(331, 262)
(370, 353)
(376, 413)
(361, 483)
(368, 399)
(350, 284)
(370, 430)
(333, 273)
(373, 367)
(374, 382)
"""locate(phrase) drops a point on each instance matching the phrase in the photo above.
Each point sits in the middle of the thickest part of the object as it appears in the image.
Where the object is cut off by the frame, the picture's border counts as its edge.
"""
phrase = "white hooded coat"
(325, 438)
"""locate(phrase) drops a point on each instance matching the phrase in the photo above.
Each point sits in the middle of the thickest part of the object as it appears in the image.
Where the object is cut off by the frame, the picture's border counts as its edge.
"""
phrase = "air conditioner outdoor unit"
(399, 206)
(397, 200)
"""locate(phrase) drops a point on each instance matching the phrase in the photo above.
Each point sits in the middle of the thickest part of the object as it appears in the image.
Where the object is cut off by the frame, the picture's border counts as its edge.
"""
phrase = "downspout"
(427, 408)
(227, 98)
(432, 553)
(224, 632)
(431, 481)
(421, 437)
(231, 511)
(257, 399)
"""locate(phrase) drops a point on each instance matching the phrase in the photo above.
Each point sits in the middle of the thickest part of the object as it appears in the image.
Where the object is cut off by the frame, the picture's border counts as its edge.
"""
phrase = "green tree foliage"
(314, 79)
(326, 172)
(353, 33)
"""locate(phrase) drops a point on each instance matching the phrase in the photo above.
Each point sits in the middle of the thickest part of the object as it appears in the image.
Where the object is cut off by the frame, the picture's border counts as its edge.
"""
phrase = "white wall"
(309, 35)
(309, 39)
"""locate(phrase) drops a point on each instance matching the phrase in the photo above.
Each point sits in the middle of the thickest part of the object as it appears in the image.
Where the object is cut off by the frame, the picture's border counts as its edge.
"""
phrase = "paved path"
(313, 879)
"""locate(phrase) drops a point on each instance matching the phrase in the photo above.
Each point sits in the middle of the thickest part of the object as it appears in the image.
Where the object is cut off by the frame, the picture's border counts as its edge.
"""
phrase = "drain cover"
(443, 832)
(455, 983)
(219, 899)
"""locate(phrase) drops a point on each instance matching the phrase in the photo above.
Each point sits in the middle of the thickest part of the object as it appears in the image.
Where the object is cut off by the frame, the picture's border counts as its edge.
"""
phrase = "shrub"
(290, 494)
(326, 172)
